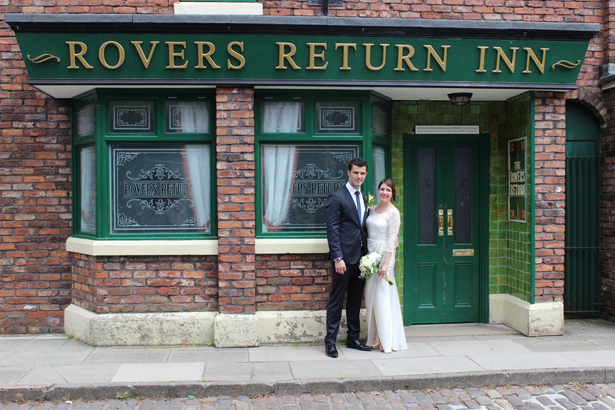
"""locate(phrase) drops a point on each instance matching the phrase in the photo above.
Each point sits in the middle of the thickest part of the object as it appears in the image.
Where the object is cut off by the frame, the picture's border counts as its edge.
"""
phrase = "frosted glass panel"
(187, 117)
(87, 176)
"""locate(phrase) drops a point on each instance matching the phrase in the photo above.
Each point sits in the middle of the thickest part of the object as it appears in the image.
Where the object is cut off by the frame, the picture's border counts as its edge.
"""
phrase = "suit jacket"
(347, 237)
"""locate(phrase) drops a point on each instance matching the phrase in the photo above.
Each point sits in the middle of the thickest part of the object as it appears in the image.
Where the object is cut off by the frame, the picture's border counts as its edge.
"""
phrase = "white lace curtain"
(279, 163)
(194, 118)
(379, 171)
(87, 158)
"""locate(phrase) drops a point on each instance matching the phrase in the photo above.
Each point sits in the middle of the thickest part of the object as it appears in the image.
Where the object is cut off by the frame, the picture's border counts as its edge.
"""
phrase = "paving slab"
(414, 350)
(546, 360)
(608, 344)
(228, 371)
(42, 375)
(507, 347)
(208, 355)
(88, 373)
(333, 368)
(457, 329)
(44, 357)
(156, 372)
(426, 365)
(12, 374)
(127, 355)
(286, 353)
(592, 358)
(550, 345)
(8, 343)
(271, 371)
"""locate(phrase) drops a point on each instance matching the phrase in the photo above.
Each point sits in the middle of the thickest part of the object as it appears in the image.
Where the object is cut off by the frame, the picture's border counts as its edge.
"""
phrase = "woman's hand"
(383, 270)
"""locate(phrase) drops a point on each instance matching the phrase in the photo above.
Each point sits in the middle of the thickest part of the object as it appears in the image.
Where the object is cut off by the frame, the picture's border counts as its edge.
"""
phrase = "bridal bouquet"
(370, 264)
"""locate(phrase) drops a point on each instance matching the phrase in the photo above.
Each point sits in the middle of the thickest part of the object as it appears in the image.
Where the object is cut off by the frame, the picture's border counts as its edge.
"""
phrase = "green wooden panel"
(582, 264)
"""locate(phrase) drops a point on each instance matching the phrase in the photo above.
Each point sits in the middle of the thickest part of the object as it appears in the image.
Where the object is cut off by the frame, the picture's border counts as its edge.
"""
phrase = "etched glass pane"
(427, 196)
(378, 170)
(85, 120)
(160, 188)
(463, 195)
(131, 116)
(283, 117)
(87, 176)
(337, 117)
(379, 121)
(297, 179)
(187, 116)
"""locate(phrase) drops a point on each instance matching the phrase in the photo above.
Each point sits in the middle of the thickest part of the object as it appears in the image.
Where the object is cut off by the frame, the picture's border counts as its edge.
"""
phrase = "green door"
(442, 232)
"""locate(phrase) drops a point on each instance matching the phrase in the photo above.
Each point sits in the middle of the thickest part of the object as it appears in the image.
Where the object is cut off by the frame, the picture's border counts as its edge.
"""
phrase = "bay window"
(304, 143)
(144, 165)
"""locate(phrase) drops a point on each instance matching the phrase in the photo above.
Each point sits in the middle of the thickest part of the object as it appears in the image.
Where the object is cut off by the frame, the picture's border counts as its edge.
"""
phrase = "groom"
(347, 238)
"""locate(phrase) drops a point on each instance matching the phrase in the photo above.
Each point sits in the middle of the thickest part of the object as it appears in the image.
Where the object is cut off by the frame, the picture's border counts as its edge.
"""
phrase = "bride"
(385, 327)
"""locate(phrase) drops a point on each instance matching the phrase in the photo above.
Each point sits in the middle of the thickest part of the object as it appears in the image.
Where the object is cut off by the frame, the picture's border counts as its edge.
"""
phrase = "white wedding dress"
(384, 320)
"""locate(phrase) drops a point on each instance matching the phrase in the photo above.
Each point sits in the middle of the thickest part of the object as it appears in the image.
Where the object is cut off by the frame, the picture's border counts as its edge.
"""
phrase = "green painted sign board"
(298, 59)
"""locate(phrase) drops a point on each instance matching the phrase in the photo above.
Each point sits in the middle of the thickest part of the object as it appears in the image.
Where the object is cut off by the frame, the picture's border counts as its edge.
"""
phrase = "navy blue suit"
(347, 238)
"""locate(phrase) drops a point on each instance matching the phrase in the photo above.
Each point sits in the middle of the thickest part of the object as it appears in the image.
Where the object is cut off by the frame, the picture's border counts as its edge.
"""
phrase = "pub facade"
(165, 168)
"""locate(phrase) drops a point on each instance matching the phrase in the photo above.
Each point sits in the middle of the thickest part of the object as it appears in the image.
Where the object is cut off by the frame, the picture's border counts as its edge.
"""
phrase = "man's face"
(356, 176)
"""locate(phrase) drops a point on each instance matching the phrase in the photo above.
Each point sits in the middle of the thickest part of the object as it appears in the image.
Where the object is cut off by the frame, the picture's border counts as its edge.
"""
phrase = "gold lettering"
(481, 63)
(345, 47)
(286, 56)
(540, 65)
(207, 55)
(313, 55)
(432, 53)
(173, 54)
(145, 60)
(502, 55)
(103, 60)
(74, 55)
(401, 58)
(235, 54)
(368, 56)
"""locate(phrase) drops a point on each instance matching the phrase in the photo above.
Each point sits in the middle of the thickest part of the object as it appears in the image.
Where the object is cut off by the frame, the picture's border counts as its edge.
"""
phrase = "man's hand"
(340, 267)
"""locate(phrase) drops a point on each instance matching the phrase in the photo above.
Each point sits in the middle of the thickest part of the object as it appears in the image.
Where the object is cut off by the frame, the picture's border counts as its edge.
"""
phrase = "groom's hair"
(359, 162)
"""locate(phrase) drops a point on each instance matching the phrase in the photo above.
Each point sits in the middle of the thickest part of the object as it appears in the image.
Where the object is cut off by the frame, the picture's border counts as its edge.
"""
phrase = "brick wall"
(607, 239)
(236, 199)
(550, 189)
(139, 284)
(292, 282)
(582, 11)
(35, 206)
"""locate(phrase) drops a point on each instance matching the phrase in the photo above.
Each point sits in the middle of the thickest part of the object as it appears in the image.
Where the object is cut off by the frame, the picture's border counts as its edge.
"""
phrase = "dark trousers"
(348, 283)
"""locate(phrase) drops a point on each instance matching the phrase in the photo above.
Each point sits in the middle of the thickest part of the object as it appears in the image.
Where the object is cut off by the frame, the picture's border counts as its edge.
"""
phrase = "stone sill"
(190, 247)
(141, 248)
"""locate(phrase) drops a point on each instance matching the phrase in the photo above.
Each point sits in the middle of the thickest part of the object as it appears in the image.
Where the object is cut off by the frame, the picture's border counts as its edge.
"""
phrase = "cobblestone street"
(564, 397)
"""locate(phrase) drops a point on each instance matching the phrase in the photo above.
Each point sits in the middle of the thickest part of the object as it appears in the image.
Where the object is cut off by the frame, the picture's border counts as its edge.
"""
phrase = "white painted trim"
(137, 248)
(538, 319)
(298, 246)
(219, 8)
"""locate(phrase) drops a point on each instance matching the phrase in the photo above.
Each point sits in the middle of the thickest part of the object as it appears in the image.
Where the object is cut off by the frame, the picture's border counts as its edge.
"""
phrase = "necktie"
(358, 195)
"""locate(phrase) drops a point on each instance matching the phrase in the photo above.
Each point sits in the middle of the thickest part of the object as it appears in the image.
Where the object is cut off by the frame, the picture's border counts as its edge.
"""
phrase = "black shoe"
(331, 351)
(356, 344)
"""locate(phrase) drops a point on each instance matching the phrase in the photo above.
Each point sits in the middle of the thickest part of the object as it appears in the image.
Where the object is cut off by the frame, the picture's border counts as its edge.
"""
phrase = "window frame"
(363, 138)
(102, 140)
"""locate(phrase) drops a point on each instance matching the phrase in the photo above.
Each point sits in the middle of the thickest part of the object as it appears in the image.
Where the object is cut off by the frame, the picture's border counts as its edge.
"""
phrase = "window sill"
(294, 246)
(144, 248)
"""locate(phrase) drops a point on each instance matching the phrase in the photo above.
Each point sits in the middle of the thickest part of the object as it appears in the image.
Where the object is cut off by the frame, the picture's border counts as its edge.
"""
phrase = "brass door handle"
(449, 222)
(440, 222)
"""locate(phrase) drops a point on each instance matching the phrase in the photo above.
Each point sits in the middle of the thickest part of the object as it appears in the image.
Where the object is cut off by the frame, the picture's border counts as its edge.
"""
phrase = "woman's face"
(385, 192)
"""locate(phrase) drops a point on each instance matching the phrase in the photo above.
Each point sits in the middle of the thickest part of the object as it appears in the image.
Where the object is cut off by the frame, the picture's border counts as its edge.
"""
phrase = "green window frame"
(307, 183)
(154, 174)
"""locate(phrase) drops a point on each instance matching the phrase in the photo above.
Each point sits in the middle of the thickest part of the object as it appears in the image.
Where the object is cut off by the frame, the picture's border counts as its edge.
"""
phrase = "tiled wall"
(509, 243)
(519, 235)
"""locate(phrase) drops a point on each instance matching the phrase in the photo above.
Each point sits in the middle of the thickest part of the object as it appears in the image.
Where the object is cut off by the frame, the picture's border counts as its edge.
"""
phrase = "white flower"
(370, 264)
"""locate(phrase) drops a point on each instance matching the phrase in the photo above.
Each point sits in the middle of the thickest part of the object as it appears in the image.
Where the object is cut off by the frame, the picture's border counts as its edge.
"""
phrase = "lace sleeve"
(393, 222)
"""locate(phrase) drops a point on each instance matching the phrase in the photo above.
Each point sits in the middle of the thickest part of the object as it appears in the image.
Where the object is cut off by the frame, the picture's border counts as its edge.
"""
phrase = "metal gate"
(582, 263)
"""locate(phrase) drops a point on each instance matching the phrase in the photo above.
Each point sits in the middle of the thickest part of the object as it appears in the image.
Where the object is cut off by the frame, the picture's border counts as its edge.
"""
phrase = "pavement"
(55, 367)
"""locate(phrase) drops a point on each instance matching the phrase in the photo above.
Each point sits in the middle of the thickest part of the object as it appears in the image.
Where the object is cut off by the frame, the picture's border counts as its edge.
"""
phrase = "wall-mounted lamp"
(460, 99)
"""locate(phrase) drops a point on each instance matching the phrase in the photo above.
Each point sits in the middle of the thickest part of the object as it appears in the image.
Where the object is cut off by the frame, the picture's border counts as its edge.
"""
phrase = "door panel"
(442, 232)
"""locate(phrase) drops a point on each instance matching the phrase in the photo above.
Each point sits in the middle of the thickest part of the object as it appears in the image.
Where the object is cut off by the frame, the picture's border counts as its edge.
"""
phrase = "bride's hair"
(389, 182)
